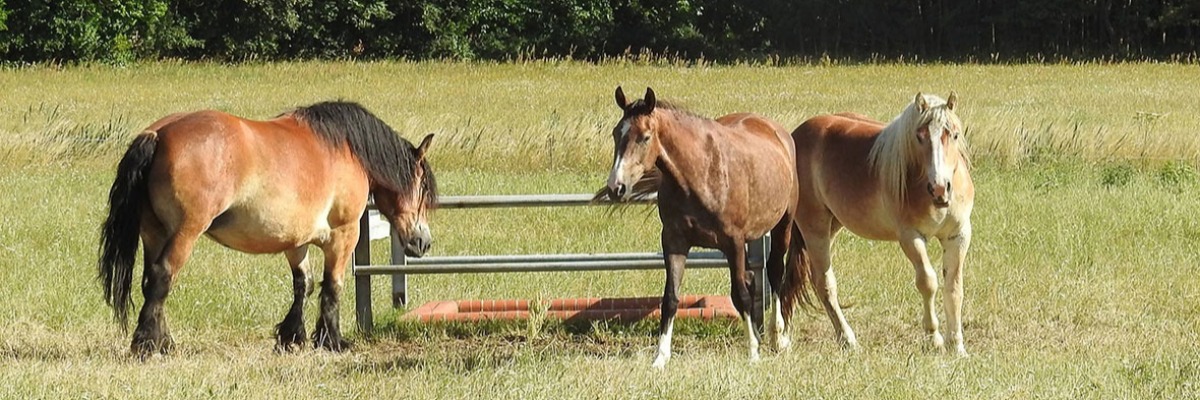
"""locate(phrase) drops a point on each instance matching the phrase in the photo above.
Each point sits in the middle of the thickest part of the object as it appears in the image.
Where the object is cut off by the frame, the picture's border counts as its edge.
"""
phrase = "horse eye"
(644, 139)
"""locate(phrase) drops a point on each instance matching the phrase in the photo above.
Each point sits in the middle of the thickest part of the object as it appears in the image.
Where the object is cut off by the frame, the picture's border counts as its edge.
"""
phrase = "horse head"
(937, 134)
(407, 208)
(635, 143)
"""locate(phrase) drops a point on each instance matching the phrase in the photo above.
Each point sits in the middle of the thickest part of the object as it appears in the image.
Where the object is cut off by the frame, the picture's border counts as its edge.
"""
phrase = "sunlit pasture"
(1082, 280)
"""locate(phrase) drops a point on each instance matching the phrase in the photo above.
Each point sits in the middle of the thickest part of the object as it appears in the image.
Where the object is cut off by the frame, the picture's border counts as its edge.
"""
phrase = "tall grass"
(557, 115)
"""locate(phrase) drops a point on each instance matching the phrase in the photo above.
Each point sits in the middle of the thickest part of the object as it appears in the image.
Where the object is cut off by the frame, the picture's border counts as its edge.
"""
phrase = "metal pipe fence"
(402, 266)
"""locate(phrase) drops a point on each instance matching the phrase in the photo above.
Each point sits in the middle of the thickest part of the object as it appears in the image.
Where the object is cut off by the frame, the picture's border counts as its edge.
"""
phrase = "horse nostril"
(621, 190)
(947, 187)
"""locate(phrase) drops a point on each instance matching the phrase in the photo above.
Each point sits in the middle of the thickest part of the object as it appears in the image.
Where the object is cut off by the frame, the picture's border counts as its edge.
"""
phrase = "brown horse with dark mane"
(720, 183)
(273, 186)
(908, 181)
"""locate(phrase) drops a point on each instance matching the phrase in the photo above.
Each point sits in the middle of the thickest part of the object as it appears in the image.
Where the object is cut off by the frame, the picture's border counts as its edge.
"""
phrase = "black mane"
(388, 158)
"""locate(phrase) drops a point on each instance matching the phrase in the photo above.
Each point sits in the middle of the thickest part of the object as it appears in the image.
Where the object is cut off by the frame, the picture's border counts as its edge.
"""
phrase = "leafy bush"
(1117, 175)
(1175, 175)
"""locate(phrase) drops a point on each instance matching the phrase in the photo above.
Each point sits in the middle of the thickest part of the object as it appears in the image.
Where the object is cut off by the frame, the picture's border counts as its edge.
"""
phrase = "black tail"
(120, 232)
(798, 274)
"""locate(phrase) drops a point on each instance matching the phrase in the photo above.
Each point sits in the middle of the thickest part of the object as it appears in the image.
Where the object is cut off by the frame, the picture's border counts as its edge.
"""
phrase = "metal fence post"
(362, 283)
(399, 281)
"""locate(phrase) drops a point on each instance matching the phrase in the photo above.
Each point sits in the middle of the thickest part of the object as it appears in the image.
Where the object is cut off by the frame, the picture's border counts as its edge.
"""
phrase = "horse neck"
(689, 150)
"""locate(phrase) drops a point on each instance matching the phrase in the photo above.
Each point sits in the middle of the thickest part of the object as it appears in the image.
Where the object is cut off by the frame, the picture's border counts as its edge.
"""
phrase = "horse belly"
(255, 231)
(866, 220)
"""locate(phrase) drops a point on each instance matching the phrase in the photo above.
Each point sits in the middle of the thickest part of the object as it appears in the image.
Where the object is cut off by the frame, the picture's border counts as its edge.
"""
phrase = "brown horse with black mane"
(908, 181)
(259, 187)
(720, 183)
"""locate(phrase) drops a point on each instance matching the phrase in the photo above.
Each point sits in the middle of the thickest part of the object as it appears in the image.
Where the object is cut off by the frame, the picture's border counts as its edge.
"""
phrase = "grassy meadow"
(1082, 280)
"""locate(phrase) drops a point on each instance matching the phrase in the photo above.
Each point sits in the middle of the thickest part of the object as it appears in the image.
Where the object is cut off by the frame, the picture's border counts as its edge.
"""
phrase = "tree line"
(717, 30)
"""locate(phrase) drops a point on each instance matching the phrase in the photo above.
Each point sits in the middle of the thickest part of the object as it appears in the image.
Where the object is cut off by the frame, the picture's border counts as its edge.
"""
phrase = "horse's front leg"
(913, 244)
(338, 250)
(741, 293)
(675, 259)
(952, 262)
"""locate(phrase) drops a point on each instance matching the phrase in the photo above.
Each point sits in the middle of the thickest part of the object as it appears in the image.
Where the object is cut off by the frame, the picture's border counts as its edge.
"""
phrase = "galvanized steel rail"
(402, 266)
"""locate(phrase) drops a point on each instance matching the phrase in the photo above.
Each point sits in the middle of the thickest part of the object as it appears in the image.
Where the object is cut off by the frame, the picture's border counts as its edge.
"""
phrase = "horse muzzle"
(618, 192)
(419, 243)
(940, 194)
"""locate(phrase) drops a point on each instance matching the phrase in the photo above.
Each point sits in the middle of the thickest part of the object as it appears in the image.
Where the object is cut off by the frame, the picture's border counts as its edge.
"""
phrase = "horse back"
(756, 135)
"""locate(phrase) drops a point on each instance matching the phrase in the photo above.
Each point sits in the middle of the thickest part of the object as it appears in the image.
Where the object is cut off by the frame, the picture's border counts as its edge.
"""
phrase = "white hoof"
(783, 343)
(848, 342)
(937, 341)
(660, 361)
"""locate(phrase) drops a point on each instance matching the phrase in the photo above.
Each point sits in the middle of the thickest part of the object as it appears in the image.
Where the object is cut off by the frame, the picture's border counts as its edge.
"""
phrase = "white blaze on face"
(614, 176)
(939, 172)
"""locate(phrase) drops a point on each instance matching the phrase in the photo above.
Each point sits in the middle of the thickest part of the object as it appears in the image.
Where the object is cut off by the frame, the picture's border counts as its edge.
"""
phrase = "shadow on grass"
(465, 347)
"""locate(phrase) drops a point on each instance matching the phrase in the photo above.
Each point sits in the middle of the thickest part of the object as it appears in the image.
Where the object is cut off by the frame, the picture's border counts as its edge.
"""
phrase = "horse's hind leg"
(926, 280)
(781, 237)
(290, 333)
(152, 334)
(741, 293)
(818, 236)
(327, 334)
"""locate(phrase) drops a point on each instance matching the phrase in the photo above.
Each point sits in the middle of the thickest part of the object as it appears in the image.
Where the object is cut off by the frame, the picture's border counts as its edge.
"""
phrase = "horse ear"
(952, 100)
(424, 147)
(620, 95)
(649, 98)
(921, 103)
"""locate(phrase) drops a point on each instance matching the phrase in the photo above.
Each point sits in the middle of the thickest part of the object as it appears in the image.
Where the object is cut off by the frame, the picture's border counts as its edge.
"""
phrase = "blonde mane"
(896, 147)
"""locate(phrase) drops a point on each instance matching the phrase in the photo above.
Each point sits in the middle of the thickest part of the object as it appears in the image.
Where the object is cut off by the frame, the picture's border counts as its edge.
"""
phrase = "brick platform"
(580, 309)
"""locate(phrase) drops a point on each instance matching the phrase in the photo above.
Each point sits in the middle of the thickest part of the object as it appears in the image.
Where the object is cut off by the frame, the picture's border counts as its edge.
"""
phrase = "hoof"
(336, 345)
(660, 361)
(287, 342)
(937, 342)
(782, 344)
(289, 345)
(144, 347)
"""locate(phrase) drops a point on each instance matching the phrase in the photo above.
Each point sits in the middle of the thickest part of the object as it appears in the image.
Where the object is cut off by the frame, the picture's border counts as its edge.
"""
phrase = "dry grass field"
(1082, 281)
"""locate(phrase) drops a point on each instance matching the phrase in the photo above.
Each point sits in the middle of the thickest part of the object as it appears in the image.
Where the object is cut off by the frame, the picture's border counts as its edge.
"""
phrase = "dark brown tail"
(798, 274)
(120, 233)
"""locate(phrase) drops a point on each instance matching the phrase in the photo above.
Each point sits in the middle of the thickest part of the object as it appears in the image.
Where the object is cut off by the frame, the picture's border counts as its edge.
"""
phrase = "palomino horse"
(720, 184)
(259, 187)
(907, 182)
